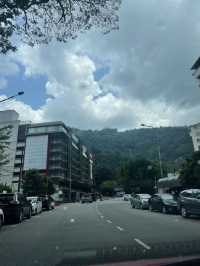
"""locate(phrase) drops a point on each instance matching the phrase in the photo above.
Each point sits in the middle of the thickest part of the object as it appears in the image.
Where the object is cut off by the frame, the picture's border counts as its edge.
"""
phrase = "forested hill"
(112, 147)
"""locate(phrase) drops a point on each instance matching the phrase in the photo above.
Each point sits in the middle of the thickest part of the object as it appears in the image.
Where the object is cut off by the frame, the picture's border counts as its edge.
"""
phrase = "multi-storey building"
(9, 118)
(53, 150)
(195, 134)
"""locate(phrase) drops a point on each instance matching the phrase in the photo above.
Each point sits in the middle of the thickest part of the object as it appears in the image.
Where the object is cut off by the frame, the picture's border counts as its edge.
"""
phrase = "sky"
(137, 74)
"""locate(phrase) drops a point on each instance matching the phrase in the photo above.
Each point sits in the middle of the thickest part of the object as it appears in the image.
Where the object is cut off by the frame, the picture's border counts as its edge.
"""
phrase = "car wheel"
(29, 214)
(164, 210)
(1, 222)
(150, 207)
(19, 217)
(184, 212)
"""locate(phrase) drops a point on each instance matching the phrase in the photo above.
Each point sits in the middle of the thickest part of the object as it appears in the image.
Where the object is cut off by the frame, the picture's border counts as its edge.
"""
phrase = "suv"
(189, 202)
(86, 198)
(15, 206)
(47, 203)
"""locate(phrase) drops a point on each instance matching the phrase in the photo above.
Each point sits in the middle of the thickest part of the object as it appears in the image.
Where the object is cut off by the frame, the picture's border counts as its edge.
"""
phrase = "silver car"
(36, 204)
(1, 218)
(140, 201)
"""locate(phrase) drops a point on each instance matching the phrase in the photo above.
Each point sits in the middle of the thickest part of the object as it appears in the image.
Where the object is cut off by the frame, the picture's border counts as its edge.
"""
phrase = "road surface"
(105, 231)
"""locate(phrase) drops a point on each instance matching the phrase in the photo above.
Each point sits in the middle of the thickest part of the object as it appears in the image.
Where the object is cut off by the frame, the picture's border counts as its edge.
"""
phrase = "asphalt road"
(75, 234)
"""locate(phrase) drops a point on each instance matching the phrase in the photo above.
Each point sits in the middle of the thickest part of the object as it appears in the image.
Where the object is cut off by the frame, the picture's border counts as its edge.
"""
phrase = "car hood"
(157, 262)
(170, 202)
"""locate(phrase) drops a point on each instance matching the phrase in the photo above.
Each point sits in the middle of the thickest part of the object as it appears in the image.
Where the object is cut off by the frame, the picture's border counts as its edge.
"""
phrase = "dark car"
(15, 207)
(189, 202)
(86, 198)
(47, 203)
(165, 203)
(140, 201)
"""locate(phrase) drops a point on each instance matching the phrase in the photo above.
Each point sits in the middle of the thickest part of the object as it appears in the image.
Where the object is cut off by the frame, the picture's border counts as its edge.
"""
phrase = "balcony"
(20, 144)
(57, 150)
(19, 152)
(18, 161)
(17, 170)
(58, 142)
(57, 167)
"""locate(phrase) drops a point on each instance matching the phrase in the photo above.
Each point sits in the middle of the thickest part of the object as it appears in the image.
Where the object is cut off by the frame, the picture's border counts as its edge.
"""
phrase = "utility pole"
(70, 167)
(159, 152)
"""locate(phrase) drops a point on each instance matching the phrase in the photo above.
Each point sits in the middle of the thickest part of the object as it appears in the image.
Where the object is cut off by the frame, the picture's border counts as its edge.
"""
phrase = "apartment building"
(53, 150)
(9, 118)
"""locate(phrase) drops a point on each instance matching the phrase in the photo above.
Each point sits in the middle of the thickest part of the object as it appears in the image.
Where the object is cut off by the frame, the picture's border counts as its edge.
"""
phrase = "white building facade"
(9, 118)
(195, 134)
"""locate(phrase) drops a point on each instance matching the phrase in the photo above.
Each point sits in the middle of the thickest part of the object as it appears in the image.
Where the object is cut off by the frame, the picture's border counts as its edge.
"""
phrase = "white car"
(126, 197)
(1, 218)
(36, 204)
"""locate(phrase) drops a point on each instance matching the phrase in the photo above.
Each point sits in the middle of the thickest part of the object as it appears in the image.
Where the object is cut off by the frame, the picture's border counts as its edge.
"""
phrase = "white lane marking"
(98, 211)
(120, 228)
(102, 216)
(109, 221)
(72, 220)
(13, 226)
(142, 243)
(65, 208)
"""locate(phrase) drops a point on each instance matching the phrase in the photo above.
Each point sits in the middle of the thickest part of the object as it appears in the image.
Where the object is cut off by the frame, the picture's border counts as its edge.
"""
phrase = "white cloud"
(25, 111)
(149, 79)
(3, 83)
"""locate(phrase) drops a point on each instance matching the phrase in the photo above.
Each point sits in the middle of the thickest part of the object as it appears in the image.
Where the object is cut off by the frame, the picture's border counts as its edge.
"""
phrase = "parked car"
(1, 218)
(165, 203)
(36, 204)
(189, 202)
(47, 203)
(140, 201)
(86, 198)
(15, 207)
(126, 197)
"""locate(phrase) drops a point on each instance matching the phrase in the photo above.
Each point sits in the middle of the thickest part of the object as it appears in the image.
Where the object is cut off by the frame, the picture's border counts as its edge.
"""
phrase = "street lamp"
(159, 153)
(13, 96)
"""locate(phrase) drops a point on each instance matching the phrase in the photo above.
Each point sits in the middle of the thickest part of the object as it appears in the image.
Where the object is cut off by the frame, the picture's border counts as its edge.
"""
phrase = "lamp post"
(13, 96)
(159, 153)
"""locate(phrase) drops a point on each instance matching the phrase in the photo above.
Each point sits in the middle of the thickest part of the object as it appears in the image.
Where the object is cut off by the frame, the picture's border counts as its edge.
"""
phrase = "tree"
(190, 172)
(138, 176)
(4, 142)
(107, 187)
(40, 21)
(4, 187)
(35, 184)
(102, 174)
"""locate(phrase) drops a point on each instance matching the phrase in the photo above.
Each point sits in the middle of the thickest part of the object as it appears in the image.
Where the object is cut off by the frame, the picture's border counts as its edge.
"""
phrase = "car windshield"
(145, 196)
(5, 198)
(99, 131)
(167, 197)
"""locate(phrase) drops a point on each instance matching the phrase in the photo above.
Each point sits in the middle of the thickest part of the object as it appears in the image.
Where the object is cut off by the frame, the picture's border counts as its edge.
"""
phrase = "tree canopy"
(4, 187)
(40, 21)
(190, 172)
(138, 176)
(35, 184)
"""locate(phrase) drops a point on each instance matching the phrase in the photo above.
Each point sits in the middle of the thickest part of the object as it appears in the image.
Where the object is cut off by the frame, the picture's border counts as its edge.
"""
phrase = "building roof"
(196, 64)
